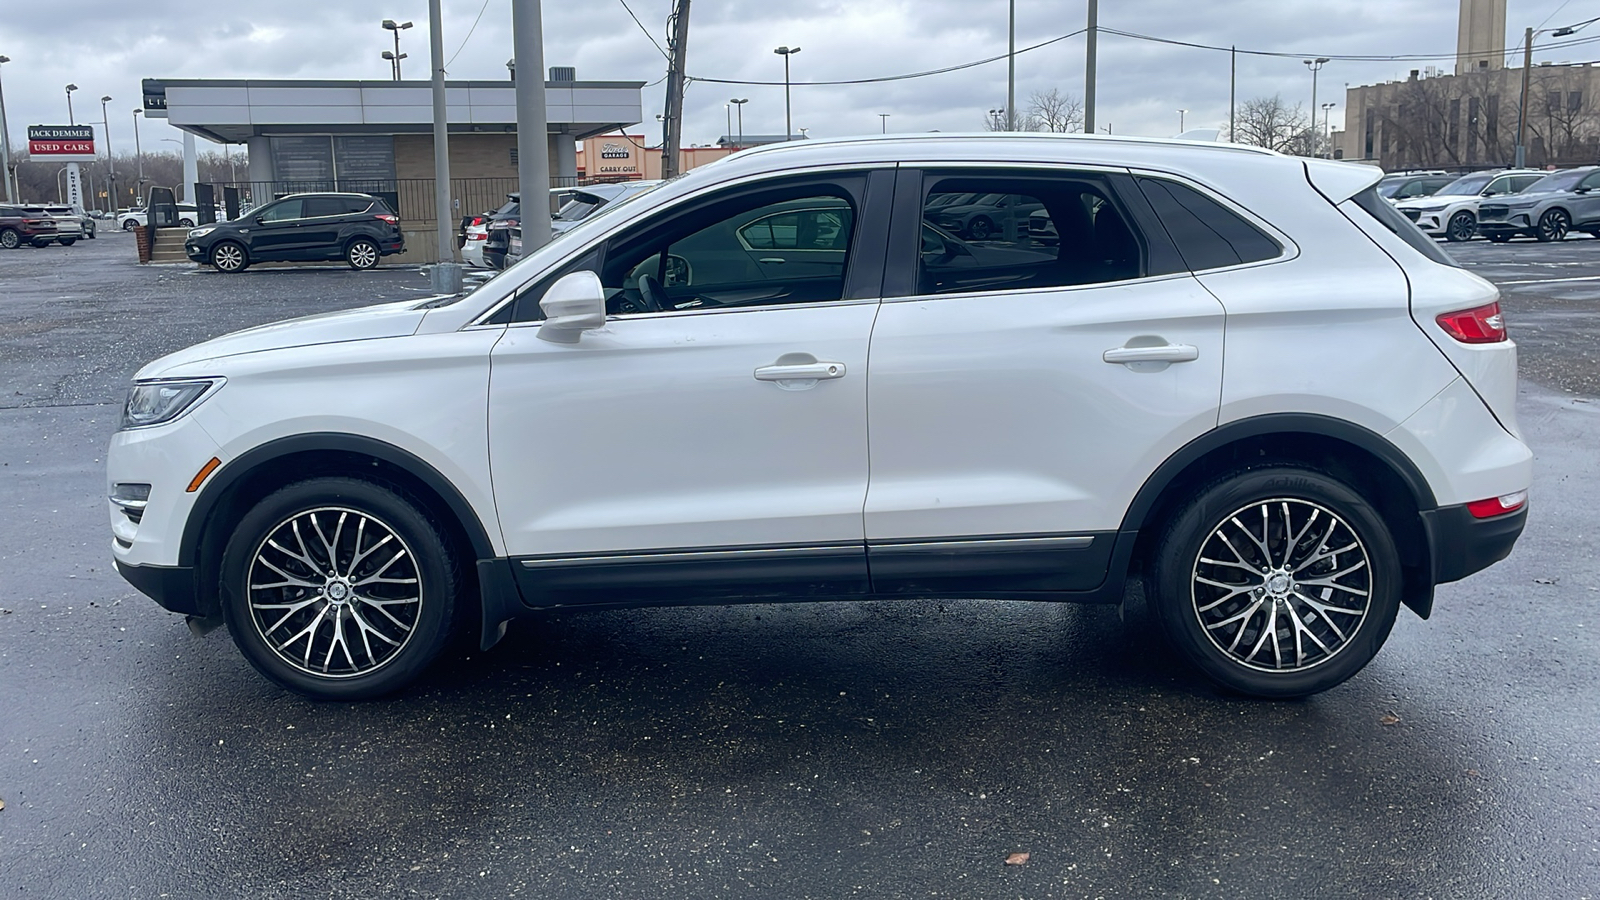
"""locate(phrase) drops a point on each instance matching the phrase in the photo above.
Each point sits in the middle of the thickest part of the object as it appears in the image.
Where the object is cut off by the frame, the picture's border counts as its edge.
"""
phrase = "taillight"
(392, 220)
(476, 220)
(1480, 325)
(472, 236)
(1498, 506)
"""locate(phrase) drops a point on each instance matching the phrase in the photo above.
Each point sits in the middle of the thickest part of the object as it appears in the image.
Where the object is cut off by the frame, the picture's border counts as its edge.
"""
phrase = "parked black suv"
(357, 228)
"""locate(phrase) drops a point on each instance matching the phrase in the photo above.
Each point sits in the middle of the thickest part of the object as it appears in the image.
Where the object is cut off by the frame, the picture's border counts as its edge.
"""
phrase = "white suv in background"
(1452, 211)
(771, 379)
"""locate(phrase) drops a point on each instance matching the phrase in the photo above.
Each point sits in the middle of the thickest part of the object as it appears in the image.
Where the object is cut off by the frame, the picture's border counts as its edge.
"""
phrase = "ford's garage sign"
(65, 143)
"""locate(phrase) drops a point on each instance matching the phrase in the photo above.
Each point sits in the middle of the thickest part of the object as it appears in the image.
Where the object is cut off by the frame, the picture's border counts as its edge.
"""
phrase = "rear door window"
(1208, 234)
(998, 230)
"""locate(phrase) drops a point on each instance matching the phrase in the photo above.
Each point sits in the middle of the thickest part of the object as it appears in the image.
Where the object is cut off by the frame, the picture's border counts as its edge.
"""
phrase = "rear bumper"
(1461, 545)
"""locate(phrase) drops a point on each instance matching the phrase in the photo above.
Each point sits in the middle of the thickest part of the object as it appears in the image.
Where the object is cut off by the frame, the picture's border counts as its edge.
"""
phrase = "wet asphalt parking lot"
(894, 749)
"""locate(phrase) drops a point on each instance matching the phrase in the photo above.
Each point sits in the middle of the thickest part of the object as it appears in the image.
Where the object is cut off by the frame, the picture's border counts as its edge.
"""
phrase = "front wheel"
(129, 225)
(362, 254)
(228, 256)
(339, 589)
(1277, 582)
(1463, 225)
(979, 229)
(1554, 225)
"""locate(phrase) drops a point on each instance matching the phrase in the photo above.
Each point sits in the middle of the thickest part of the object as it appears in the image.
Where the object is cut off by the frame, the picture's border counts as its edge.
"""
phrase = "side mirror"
(574, 304)
(261, 220)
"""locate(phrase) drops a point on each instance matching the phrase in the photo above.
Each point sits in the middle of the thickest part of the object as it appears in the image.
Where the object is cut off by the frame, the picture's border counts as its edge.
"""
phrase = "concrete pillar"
(191, 167)
(260, 164)
(564, 159)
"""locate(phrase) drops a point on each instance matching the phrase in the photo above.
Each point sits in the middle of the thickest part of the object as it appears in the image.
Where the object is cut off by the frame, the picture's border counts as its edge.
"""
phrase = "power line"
(955, 68)
(1416, 57)
(642, 28)
(469, 34)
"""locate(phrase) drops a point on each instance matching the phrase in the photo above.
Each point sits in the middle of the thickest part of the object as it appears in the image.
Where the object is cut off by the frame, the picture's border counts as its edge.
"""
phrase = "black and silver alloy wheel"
(1281, 585)
(228, 256)
(1277, 582)
(1553, 225)
(362, 254)
(339, 588)
(334, 592)
(10, 239)
(1462, 227)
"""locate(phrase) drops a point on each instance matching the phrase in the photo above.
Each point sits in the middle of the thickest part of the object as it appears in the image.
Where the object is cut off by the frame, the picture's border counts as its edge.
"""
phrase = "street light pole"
(1527, 65)
(138, 189)
(396, 27)
(70, 119)
(1315, 65)
(5, 144)
(1181, 114)
(1011, 73)
(111, 160)
(788, 118)
(883, 119)
(1327, 129)
(740, 104)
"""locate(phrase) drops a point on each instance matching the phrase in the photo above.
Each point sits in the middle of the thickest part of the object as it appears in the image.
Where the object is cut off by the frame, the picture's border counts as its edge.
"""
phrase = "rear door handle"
(1167, 353)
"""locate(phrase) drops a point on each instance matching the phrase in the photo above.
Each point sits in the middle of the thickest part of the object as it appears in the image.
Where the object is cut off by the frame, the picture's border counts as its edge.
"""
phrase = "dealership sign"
(66, 143)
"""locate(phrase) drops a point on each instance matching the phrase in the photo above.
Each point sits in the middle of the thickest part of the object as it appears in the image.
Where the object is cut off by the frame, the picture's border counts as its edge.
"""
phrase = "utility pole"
(5, 144)
(1089, 64)
(677, 52)
(1011, 73)
(138, 189)
(1522, 108)
(446, 275)
(533, 140)
(1233, 83)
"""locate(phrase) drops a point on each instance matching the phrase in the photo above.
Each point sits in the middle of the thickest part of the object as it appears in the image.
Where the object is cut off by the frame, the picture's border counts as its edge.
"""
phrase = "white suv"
(771, 379)
(1452, 211)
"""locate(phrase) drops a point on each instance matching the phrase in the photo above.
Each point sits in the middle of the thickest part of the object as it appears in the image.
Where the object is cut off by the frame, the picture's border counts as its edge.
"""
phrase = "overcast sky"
(106, 46)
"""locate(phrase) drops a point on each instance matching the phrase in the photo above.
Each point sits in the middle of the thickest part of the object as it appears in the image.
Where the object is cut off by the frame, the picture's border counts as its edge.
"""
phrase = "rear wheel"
(338, 588)
(10, 239)
(1463, 225)
(41, 243)
(1554, 225)
(228, 256)
(1277, 582)
(68, 242)
(361, 254)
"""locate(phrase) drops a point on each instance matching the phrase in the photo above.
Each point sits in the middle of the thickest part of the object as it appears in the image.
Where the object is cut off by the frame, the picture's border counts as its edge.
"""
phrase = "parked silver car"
(1548, 209)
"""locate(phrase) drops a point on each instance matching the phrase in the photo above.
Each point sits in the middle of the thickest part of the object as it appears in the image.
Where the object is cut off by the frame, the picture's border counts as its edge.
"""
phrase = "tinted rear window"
(1394, 220)
(1208, 234)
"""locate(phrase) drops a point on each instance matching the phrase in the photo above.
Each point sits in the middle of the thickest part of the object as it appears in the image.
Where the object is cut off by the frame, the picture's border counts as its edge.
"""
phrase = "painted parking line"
(1551, 280)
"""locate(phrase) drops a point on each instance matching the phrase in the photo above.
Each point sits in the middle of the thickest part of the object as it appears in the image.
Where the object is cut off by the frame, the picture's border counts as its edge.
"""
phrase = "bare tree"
(1269, 122)
(1054, 111)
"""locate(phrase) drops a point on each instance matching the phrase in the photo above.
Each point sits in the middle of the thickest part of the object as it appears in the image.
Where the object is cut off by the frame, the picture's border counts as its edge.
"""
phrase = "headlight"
(155, 402)
(201, 232)
(1431, 209)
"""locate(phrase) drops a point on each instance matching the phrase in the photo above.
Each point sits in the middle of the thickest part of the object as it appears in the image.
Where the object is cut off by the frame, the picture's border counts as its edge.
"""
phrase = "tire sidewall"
(1450, 229)
(437, 568)
(244, 257)
(10, 239)
(1189, 527)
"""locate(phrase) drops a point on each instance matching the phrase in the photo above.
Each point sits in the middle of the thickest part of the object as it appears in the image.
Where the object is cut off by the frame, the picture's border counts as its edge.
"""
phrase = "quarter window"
(318, 207)
(984, 232)
(1208, 234)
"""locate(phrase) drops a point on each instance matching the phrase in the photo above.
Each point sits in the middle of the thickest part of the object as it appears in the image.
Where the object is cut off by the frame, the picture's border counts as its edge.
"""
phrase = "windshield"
(1557, 181)
(1466, 185)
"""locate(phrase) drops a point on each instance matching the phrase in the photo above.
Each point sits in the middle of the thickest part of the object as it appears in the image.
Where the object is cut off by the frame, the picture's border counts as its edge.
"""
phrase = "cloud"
(106, 47)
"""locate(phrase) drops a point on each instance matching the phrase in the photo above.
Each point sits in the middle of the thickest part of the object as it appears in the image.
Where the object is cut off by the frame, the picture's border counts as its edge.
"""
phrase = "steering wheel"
(652, 294)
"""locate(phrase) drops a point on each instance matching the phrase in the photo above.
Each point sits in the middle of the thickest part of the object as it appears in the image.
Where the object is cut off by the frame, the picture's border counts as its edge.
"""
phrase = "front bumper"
(194, 252)
(171, 587)
(1461, 544)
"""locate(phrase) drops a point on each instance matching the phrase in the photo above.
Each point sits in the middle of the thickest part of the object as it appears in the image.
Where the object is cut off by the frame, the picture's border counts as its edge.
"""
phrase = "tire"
(229, 257)
(362, 254)
(1553, 226)
(10, 239)
(68, 242)
(1498, 238)
(979, 228)
(1461, 227)
(129, 224)
(1213, 599)
(43, 243)
(335, 631)
(187, 223)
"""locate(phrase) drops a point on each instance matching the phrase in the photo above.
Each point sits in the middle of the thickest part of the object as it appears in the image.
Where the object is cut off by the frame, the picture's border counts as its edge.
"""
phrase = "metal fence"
(411, 198)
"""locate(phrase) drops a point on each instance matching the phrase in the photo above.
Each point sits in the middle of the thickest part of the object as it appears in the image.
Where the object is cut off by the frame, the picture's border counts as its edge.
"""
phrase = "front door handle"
(815, 371)
(1163, 353)
(773, 260)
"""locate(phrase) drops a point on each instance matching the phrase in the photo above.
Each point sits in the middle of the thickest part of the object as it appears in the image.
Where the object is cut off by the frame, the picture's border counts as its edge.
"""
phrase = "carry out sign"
(65, 143)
